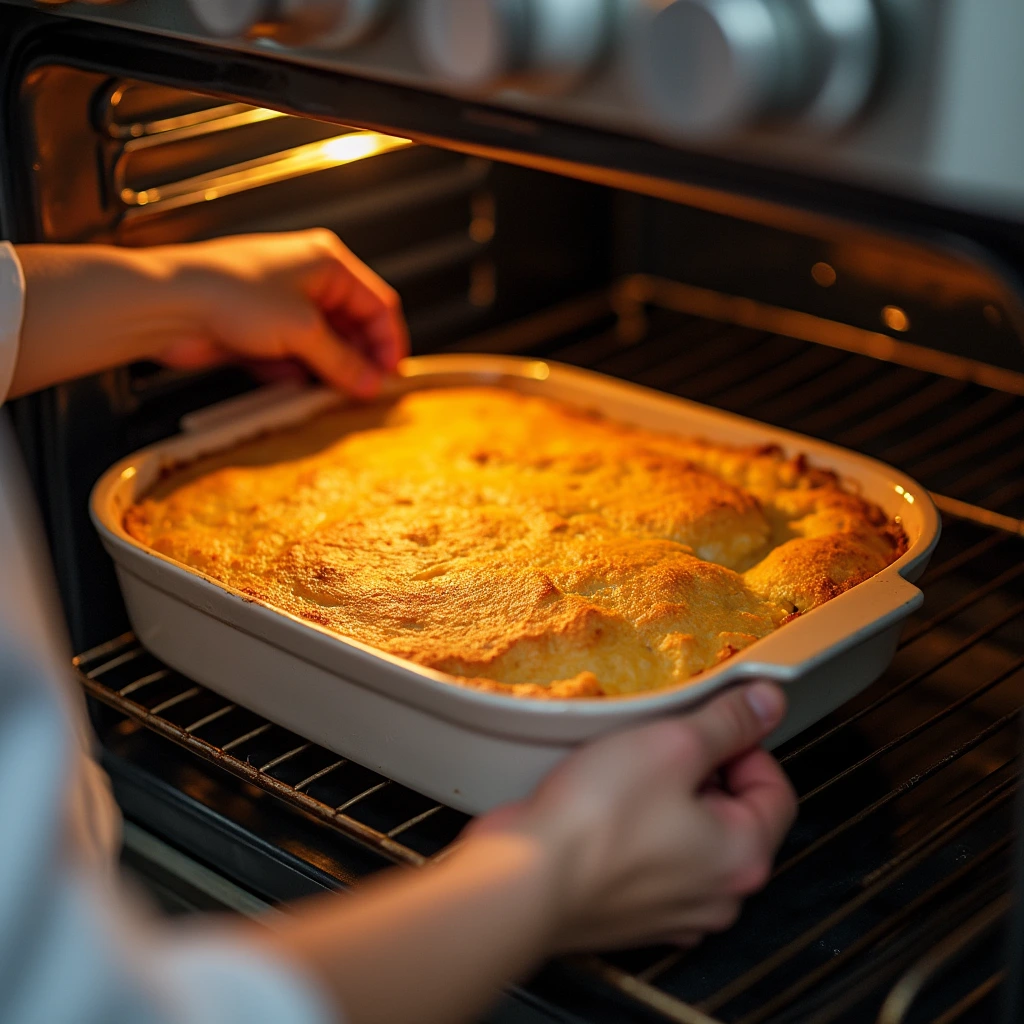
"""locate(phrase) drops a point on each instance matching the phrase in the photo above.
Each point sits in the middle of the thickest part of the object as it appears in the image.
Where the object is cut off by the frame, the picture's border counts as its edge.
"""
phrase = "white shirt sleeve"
(73, 948)
(12, 309)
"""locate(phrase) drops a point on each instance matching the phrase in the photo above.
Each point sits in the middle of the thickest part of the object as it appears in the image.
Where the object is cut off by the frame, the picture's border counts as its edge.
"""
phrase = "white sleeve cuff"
(12, 310)
(213, 981)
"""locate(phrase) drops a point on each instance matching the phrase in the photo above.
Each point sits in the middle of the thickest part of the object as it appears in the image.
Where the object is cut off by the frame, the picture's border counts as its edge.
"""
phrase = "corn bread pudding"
(518, 544)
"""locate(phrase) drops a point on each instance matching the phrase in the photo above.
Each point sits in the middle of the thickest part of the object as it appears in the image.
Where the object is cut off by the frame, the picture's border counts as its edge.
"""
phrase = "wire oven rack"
(890, 898)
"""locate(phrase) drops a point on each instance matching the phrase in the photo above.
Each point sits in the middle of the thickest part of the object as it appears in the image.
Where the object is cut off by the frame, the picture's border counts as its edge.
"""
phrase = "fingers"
(686, 749)
(728, 726)
(647, 848)
(362, 305)
(301, 294)
(687, 925)
(714, 915)
(758, 783)
(193, 353)
(382, 334)
(753, 812)
(335, 362)
(277, 371)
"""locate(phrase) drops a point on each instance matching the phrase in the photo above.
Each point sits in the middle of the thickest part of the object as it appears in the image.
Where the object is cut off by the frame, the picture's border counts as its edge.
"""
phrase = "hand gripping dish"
(465, 746)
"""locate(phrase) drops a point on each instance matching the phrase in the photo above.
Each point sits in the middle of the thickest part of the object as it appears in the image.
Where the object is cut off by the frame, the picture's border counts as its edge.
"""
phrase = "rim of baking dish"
(893, 592)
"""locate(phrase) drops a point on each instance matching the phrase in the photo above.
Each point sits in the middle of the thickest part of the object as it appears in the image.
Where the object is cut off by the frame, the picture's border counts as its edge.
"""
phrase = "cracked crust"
(517, 544)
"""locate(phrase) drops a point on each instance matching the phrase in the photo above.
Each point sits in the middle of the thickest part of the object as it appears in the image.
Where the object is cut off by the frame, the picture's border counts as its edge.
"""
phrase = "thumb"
(731, 725)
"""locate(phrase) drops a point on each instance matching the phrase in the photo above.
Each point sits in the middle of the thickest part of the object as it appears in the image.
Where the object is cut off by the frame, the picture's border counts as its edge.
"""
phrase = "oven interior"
(892, 898)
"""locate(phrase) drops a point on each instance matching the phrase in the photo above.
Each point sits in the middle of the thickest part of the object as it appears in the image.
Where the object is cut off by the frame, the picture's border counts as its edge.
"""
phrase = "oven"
(840, 257)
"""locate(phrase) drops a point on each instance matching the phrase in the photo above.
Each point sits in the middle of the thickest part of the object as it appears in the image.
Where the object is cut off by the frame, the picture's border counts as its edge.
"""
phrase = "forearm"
(89, 308)
(435, 946)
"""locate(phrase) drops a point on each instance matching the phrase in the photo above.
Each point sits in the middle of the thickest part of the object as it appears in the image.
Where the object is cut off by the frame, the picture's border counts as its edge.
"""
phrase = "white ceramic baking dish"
(470, 749)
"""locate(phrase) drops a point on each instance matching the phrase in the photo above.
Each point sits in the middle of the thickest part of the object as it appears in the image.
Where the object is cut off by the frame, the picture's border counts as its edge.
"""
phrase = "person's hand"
(658, 833)
(654, 834)
(301, 295)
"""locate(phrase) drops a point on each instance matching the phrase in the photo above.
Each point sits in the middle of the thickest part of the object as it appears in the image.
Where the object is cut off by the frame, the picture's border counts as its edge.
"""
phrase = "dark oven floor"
(890, 898)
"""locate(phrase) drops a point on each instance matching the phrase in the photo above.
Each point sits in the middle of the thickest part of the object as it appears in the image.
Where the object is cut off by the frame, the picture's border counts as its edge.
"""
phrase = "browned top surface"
(518, 543)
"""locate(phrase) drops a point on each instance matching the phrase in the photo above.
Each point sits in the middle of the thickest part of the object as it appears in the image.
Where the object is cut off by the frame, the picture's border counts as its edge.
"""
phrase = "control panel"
(911, 96)
(706, 68)
(327, 24)
(548, 46)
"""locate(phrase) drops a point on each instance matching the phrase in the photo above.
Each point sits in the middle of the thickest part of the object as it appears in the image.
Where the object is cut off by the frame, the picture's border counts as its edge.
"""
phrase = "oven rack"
(124, 676)
(890, 897)
(973, 769)
(952, 423)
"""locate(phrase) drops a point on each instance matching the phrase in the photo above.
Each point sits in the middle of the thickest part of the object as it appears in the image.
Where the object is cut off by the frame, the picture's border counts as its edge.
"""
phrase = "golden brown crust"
(520, 545)
(808, 571)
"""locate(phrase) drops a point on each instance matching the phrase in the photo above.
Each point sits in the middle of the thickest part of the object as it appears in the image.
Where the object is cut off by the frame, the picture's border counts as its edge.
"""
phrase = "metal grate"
(958, 437)
(358, 802)
(890, 896)
(900, 862)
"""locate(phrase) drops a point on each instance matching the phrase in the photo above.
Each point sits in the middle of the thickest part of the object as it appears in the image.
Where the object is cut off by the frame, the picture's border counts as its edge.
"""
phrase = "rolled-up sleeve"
(12, 310)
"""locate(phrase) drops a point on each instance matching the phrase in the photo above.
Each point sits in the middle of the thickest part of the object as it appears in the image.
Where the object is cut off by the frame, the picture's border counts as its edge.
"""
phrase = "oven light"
(346, 149)
(268, 170)
(824, 274)
(127, 474)
(895, 318)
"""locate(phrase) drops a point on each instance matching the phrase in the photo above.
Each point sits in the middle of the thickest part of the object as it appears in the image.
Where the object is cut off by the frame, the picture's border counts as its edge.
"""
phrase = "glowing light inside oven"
(268, 170)
(824, 274)
(895, 318)
(346, 149)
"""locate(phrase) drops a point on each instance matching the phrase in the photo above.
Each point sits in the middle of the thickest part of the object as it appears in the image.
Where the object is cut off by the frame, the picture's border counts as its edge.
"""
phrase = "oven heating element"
(891, 897)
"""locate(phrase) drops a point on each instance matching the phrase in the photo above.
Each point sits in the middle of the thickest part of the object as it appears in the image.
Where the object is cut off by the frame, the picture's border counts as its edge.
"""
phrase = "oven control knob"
(320, 23)
(229, 18)
(708, 67)
(545, 45)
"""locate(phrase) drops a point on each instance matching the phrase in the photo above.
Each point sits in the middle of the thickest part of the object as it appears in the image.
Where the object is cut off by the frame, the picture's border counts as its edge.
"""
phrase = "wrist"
(546, 861)
(177, 273)
(185, 298)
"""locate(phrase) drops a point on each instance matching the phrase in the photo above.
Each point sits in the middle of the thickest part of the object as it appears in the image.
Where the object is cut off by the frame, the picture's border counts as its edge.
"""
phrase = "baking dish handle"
(859, 614)
(256, 412)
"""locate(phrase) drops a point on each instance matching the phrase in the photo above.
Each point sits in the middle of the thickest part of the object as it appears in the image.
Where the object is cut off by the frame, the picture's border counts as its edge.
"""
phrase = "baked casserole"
(518, 544)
